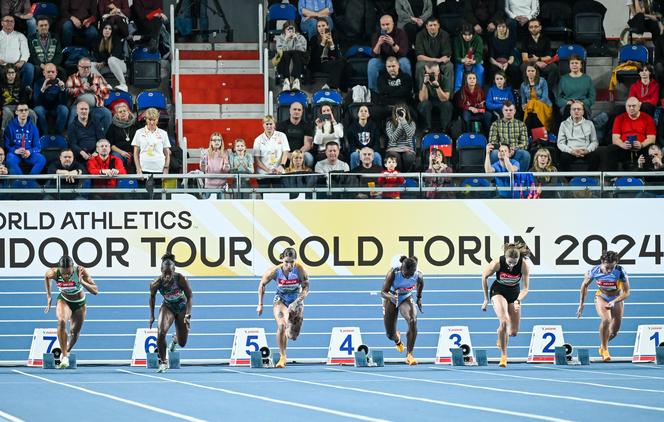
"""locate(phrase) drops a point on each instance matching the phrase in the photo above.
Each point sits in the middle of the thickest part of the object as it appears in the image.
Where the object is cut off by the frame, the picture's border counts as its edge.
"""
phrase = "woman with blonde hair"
(297, 166)
(152, 148)
(214, 160)
(543, 163)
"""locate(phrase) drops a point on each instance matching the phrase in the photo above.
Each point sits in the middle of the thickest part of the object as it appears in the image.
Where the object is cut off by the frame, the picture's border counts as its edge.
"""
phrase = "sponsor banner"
(244, 238)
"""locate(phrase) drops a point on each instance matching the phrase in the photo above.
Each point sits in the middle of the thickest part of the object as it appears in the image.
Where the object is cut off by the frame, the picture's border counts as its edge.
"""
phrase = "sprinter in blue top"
(176, 307)
(288, 308)
(70, 279)
(511, 270)
(612, 290)
(400, 284)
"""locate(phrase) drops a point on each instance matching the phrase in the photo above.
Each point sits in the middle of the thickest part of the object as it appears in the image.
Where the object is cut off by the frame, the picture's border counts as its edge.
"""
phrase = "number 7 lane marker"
(112, 397)
(280, 402)
(401, 396)
(592, 384)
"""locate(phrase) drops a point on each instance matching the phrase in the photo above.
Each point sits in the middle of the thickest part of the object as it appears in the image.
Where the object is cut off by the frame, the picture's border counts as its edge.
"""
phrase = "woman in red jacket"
(646, 90)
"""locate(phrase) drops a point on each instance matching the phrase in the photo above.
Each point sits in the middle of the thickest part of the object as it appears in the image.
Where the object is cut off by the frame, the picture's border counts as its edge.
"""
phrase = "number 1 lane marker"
(404, 397)
(112, 397)
(280, 402)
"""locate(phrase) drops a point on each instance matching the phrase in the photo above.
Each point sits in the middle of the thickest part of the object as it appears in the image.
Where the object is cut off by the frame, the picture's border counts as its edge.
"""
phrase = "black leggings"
(284, 66)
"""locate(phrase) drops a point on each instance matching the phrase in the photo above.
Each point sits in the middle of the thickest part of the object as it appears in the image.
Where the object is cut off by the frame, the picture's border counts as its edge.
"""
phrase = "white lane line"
(112, 397)
(10, 418)
(280, 402)
(525, 393)
(592, 384)
(405, 397)
(615, 374)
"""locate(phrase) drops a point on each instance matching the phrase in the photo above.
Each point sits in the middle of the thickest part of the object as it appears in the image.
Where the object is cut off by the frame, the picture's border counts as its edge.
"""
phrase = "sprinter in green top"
(70, 304)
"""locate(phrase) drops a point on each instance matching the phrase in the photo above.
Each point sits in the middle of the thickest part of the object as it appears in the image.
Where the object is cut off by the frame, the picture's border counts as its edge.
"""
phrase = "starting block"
(51, 361)
(152, 360)
(461, 355)
(173, 360)
(364, 359)
(659, 354)
(482, 360)
(563, 356)
(261, 358)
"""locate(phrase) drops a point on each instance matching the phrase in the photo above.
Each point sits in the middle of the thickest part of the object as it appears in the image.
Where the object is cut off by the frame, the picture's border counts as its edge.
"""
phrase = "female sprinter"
(288, 308)
(70, 306)
(176, 307)
(506, 295)
(613, 289)
(397, 296)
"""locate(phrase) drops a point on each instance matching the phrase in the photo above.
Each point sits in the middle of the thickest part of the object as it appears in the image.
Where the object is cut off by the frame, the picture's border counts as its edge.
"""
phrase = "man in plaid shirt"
(512, 132)
(91, 88)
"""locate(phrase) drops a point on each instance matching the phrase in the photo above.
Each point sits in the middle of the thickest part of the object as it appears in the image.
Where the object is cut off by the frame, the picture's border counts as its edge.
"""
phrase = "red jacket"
(391, 180)
(96, 165)
(649, 94)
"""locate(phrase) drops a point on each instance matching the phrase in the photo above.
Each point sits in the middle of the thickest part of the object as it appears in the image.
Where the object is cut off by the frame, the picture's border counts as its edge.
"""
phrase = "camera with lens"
(401, 112)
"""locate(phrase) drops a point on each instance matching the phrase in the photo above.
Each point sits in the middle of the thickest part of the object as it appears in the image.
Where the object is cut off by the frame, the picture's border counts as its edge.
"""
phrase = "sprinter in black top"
(506, 294)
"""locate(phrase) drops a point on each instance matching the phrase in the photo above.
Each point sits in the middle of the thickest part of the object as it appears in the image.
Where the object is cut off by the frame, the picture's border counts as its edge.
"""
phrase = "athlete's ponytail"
(288, 253)
(168, 256)
(65, 262)
(409, 264)
(516, 249)
(609, 256)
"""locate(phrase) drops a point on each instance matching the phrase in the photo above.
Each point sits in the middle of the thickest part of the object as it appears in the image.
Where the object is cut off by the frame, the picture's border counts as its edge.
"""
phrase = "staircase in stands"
(222, 91)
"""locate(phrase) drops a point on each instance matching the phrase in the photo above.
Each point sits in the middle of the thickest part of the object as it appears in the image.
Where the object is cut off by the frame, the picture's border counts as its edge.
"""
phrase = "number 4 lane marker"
(112, 397)
(280, 402)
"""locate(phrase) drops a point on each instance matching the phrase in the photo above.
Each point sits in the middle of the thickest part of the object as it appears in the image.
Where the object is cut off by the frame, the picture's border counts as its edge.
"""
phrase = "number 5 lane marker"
(112, 397)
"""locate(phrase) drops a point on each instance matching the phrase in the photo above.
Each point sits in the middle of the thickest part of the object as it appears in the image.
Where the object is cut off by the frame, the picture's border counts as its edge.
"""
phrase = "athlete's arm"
(389, 279)
(304, 281)
(50, 275)
(489, 270)
(184, 284)
(267, 277)
(584, 289)
(420, 288)
(87, 281)
(153, 292)
(624, 291)
(525, 276)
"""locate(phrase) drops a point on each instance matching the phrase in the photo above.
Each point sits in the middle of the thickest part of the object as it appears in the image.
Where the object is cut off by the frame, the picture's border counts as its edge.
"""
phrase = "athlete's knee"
(62, 323)
(412, 324)
(161, 334)
(502, 324)
(281, 326)
(182, 342)
(513, 332)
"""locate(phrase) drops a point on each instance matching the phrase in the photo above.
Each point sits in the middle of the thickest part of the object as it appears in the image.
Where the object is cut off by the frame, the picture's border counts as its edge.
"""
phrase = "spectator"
(297, 166)
(310, 11)
(394, 85)
(497, 95)
(105, 164)
(468, 51)
(91, 88)
(299, 132)
(152, 148)
(327, 130)
(3, 168)
(577, 140)
(575, 86)
(646, 90)
(84, 132)
(79, 18)
(434, 46)
(486, 14)
(45, 48)
(391, 178)
(644, 17)
(400, 129)
(536, 50)
(51, 101)
(291, 49)
(453, 7)
(325, 56)
(331, 163)
(115, 12)
(110, 55)
(367, 166)
(437, 165)
(472, 101)
(653, 162)
(14, 50)
(68, 169)
(22, 143)
(411, 15)
(504, 165)
(121, 133)
(149, 17)
(432, 95)
(511, 132)
(21, 11)
(521, 12)
(543, 163)
(240, 159)
(535, 99)
(390, 41)
(363, 133)
(214, 160)
(632, 132)
(271, 151)
(502, 50)
(12, 92)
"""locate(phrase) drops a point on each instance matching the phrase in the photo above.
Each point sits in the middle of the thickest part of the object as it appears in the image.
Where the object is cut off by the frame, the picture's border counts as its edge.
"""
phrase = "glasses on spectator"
(84, 67)
(216, 139)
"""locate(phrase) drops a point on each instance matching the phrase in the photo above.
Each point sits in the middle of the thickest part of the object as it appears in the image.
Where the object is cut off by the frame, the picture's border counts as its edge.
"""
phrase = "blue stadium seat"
(327, 96)
(71, 55)
(127, 184)
(284, 101)
(119, 95)
(147, 99)
(51, 145)
(439, 141)
(635, 53)
(628, 182)
(278, 12)
(357, 60)
(564, 52)
(471, 149)
(46, 9)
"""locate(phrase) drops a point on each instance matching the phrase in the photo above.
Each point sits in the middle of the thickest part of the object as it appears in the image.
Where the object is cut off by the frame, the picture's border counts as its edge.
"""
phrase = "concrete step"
(207, 67)
(223, 111)
(234, 46)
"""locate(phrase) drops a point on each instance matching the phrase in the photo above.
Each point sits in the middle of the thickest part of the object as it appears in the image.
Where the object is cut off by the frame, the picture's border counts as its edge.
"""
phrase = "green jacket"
(461, 48)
